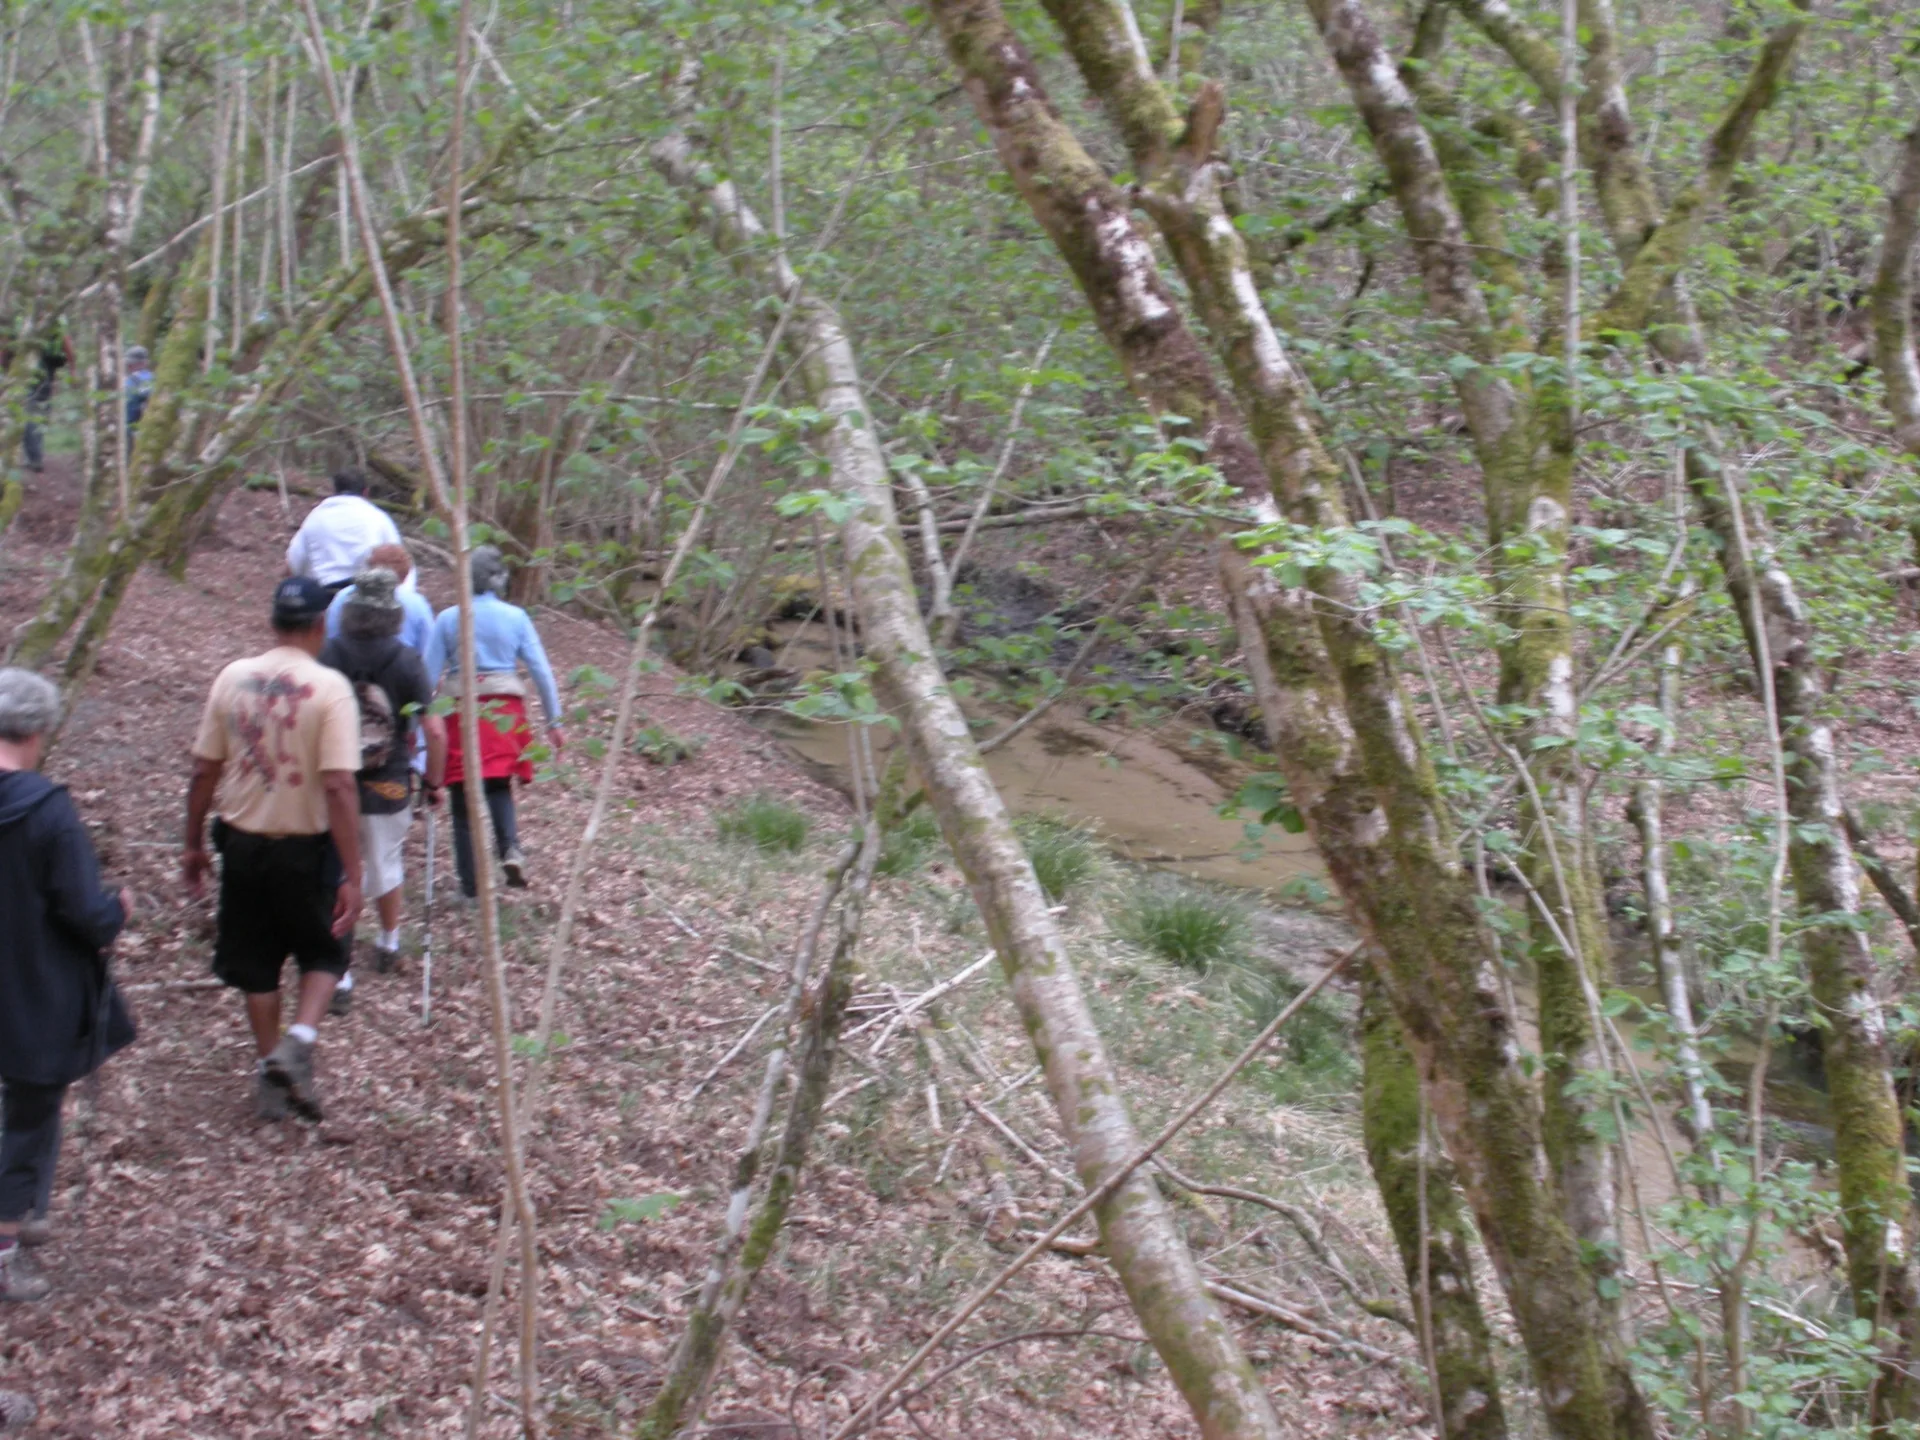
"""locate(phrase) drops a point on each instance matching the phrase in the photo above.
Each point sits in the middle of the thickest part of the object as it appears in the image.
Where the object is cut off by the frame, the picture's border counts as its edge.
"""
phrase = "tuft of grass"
(764, 822)
(1063, 855)
(1188, 928)
(909, 844)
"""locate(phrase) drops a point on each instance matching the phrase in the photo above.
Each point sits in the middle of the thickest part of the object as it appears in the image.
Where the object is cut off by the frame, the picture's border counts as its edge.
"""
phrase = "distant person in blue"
(139, 388)
(503, 640)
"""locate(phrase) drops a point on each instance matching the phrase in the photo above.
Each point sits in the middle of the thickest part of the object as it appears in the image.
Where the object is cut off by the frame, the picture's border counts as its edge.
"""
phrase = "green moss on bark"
(1465, 1378)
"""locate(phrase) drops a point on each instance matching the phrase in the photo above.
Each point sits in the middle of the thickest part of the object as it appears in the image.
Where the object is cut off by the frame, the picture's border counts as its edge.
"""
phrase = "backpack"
(379, 727)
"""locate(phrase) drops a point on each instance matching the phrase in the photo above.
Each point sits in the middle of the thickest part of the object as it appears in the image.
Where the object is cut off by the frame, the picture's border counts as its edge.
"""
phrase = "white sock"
(346, 982)
(305, 1034)
(390, 939)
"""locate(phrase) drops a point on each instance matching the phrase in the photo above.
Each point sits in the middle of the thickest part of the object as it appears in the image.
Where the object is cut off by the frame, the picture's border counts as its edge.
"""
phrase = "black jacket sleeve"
(414, 687)
(76, 900)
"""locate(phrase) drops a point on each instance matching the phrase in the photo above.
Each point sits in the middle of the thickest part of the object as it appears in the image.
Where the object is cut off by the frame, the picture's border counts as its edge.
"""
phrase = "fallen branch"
(1026, 1151)
(727, 1059)
(944, 619)
(897, 1016)
(1303, 1224)
(1082, 658)
(992, 1345)
(1293, 1320)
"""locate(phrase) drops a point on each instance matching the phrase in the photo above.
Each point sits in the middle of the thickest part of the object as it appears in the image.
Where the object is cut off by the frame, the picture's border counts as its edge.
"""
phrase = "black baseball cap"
(298, 601)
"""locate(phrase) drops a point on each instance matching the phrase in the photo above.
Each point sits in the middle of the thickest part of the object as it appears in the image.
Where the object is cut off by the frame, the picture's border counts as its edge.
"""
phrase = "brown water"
(1152, 795)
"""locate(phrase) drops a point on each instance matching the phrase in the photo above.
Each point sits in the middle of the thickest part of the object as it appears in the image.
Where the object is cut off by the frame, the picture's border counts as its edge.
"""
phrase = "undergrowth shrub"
(764, 822)
(1063, 855)
(909, 844)
(660, 746)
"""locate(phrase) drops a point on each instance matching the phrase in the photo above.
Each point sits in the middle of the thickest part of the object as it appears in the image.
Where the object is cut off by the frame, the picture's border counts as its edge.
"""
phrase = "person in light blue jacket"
(503, 640)
(417, 626)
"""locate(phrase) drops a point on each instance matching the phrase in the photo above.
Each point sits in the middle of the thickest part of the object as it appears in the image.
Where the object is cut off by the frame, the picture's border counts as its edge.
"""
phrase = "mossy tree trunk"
(1181, 189)
(1138, 1232)
(1344, 734)
(1523, 439)
(1879, 1224)
(749, 1240)
(1430, 1229)
(14, 385)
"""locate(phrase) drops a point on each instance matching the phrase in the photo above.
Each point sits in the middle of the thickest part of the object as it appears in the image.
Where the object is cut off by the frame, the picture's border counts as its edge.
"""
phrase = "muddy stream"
(1151, 794)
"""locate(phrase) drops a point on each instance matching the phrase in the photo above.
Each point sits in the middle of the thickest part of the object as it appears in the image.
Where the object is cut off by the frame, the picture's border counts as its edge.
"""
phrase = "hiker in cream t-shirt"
(279, 745)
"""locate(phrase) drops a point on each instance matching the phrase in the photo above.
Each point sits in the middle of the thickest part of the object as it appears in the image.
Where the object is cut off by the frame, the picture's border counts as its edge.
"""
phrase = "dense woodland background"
(1482, 437)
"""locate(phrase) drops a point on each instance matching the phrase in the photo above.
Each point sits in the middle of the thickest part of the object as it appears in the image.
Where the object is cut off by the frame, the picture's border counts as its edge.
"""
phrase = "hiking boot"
(341, 1005)
(16, 1410)
(269, 1100)
(290, 1067)
(515, 865)
(35, 1230)
(20, 1278)
(385, 960)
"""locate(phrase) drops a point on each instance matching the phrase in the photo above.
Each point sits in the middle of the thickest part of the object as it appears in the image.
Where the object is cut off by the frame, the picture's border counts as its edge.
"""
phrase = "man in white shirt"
(339, 533)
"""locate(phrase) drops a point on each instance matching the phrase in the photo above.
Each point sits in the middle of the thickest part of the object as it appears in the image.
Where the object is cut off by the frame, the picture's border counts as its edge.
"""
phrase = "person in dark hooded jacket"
(60, 1015)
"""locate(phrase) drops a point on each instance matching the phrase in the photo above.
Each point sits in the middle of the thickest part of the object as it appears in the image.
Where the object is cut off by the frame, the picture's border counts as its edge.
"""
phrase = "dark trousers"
(33, 439)
(29, 1146)
(506, 834)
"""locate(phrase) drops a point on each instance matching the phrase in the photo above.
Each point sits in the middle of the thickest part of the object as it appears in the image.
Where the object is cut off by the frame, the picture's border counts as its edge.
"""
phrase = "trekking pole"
(426, 954)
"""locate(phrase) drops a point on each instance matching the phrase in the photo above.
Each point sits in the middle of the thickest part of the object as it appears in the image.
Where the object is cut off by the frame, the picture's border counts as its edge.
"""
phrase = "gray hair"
(489, 570)
(29, 705)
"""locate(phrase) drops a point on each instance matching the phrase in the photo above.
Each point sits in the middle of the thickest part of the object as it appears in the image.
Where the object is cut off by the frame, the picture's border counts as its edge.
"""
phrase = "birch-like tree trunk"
(1878, 1221)
(1343, 733)
(1181, 187)
(1647, 810)
(1138, 1233)
(1893, 299)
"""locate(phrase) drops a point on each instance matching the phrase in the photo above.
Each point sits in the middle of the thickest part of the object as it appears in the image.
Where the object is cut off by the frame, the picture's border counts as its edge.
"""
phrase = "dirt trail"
(220, 1278)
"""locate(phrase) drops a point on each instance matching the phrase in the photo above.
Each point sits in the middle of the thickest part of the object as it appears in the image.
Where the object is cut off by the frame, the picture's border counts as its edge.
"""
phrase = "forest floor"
(216, 1278)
